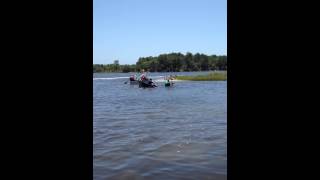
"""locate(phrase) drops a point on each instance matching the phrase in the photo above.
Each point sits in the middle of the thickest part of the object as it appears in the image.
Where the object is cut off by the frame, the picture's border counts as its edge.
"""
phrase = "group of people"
(143, 77)
(140, 77)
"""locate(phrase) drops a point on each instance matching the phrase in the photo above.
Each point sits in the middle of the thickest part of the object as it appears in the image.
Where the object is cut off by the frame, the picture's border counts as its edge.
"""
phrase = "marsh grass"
(214, 76)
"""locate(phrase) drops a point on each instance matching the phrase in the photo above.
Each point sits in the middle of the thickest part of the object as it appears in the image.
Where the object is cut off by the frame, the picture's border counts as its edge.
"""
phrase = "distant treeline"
(173, 62)
(113, 68)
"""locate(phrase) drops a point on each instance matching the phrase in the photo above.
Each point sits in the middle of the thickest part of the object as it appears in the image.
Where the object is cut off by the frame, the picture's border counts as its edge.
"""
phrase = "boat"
(168, 83)
(142, 81)
(168, 80)
(147, 83)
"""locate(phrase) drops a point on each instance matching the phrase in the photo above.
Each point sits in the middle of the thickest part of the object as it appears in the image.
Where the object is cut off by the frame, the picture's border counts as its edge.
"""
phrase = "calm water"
(163, 133)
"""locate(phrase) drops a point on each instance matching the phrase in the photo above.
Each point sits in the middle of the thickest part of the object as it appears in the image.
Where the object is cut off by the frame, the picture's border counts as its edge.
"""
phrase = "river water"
(163, 133)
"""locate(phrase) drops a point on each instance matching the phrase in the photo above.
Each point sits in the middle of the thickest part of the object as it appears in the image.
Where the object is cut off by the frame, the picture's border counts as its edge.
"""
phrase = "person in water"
(143, 75)
(167, 83)
(132, 78)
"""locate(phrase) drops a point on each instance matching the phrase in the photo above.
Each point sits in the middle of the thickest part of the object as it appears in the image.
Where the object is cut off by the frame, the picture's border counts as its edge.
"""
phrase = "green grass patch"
(214, 76)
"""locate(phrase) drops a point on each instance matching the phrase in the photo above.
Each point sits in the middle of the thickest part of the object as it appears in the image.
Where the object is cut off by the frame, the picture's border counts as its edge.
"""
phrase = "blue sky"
(125, 30)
